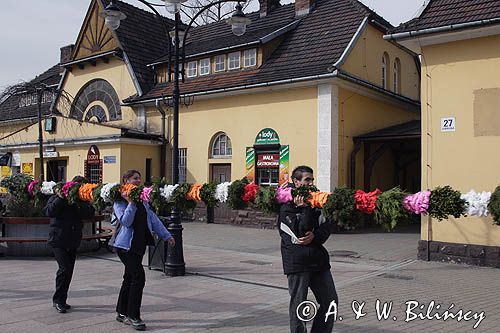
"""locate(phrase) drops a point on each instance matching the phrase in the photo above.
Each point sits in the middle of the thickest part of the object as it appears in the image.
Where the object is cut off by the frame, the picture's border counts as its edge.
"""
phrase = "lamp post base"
(175, 265)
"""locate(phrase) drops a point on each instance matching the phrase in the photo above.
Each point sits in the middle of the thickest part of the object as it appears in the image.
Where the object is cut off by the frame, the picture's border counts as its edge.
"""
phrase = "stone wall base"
(472, 254)
(247, 217)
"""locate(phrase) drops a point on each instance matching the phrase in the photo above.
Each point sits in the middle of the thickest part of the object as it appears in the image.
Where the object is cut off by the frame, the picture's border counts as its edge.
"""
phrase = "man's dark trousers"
(134, 279)
(66, 260)
(323, 288)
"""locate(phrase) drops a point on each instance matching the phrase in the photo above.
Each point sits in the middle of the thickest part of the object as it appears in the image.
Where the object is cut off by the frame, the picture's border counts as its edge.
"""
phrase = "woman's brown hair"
(128, 174)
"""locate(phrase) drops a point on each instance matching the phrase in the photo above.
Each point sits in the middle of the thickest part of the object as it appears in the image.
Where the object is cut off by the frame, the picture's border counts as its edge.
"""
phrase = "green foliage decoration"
(135, 194)
(207, 194)
(265, 200)
(304, 191)
(73, 197)
(98, 202)
(235, 194)
(19, 203)
(179, 198)
(389, 211)
(340, 209)
(494, 205)
(445, 201)
(157, 201)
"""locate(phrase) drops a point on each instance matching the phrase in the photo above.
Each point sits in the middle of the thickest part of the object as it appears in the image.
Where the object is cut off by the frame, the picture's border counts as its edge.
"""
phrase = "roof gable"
(440, 13)
(142, 37)
(94, 36)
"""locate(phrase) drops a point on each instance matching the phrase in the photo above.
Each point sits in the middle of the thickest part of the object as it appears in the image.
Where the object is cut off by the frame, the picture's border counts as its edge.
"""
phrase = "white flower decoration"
(477, 202)
(222, 191)
(167, 191)
(106, 192)
(47, 188)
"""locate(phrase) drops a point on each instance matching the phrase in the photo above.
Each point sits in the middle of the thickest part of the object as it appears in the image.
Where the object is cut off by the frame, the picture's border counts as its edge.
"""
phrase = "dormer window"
(250, 58)
(192, 69)
(220, 63)
(234, 60)
(205, 66)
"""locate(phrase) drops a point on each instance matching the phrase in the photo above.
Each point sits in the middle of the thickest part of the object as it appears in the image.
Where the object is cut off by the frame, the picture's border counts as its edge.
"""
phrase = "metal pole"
(175, 265)
(40, 133)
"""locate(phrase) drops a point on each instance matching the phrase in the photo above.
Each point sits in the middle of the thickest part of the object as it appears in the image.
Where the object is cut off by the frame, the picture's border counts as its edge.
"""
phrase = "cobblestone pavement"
(235, 284)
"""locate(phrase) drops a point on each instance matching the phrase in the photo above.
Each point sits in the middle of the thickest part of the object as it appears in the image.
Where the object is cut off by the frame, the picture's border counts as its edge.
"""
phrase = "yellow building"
(459, 44)
(312, 82)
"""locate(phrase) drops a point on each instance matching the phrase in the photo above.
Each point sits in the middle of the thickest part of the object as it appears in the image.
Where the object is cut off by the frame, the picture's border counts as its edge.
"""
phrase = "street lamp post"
(175, 265)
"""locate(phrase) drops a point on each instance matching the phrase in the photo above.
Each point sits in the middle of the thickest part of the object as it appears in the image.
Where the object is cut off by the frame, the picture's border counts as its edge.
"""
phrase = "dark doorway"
(56, 170)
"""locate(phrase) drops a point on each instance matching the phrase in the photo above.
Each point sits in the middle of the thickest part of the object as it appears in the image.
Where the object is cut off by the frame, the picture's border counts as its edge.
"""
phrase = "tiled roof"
(218, 35)
(143, 38)
(9, 108)
(440, 13)
(308, 50)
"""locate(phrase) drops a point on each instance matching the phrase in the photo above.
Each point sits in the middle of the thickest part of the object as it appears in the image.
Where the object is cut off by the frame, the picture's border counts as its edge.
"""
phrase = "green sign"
(267, 136)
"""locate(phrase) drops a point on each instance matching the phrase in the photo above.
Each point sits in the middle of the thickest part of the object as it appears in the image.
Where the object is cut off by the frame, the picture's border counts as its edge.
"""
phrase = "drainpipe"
(163, 149)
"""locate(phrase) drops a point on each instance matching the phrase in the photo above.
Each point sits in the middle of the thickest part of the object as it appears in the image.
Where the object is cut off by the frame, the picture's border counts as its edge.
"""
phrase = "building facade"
(312, 82)
(459, 43)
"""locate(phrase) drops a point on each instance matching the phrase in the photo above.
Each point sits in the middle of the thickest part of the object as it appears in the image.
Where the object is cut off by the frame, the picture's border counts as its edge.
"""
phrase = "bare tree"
(215, 13)
(32, 93)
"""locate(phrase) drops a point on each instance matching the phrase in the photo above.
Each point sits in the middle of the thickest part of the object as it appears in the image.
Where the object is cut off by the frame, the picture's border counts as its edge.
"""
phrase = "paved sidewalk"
(235, 284)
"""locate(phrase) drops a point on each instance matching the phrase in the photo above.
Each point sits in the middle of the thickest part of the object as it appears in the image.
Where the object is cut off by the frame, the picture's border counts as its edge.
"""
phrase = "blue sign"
(109, 159)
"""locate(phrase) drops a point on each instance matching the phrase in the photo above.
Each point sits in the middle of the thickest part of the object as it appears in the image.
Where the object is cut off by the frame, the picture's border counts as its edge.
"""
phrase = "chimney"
(66, 53)
(266, 6)
(303, 7)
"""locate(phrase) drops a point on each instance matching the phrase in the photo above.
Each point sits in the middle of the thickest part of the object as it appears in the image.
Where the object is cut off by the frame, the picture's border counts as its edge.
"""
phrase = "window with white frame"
(220, 63)
(234, 60)
(250, 58)
(385, 70)
(182, 165)
(397, 75)
(205, 66)
(192, 69)
(221, 146)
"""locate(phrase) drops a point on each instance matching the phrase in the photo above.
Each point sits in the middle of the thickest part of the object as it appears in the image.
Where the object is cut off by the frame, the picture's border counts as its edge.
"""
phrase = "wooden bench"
(100, 233)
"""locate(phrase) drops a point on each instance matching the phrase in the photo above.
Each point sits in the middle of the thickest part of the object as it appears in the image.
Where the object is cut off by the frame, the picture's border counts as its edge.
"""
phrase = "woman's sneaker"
(120, 318)
(136, 323)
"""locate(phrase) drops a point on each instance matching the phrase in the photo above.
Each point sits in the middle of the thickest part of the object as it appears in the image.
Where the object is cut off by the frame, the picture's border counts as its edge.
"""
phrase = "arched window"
(385, 71)
(397, 76)
(221, 146)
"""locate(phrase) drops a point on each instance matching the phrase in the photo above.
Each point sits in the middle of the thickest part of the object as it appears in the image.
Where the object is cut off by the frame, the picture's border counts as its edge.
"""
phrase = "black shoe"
(120, 318)
(60, 308)
(66, 306)
(136, 323)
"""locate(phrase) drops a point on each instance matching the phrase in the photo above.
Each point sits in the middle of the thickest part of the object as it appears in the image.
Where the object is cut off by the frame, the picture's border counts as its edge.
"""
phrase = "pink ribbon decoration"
(66, 187)
(146, 194)
(284, 195)
(417, 203)
(31, 187)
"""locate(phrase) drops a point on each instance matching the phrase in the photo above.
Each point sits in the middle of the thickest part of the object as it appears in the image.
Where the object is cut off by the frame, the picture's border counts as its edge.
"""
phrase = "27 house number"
(448, 124)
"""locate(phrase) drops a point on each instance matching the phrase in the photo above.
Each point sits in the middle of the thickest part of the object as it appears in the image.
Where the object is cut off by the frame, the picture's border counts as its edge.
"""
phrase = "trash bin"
(157, 254)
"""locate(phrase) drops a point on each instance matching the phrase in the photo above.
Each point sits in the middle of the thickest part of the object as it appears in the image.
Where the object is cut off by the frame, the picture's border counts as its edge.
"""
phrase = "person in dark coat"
(65, 235)
(306, 262)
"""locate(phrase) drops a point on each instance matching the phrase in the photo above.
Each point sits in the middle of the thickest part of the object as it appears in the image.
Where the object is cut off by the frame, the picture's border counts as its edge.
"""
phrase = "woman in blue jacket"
(133, 234)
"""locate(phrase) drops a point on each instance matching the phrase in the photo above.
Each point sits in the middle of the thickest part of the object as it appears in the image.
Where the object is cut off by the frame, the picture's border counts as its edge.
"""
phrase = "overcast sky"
(32, 31)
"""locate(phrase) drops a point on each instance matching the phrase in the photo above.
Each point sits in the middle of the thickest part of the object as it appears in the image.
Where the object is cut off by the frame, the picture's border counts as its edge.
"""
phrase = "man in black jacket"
(65, 235)
(306, 262)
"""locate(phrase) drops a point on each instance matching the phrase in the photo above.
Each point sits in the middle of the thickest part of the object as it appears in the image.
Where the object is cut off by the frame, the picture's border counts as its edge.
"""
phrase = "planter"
(34, 232)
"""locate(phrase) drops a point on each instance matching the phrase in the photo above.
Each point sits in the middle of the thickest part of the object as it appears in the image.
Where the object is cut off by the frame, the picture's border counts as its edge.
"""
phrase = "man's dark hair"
(298, 171)
(80, 179)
